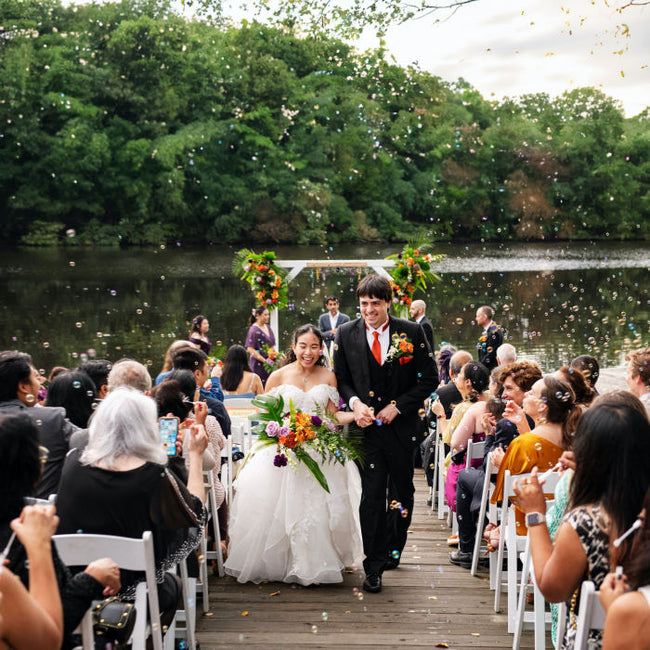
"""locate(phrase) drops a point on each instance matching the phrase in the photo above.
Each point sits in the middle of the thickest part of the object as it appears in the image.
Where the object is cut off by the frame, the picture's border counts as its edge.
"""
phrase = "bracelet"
(441, 417)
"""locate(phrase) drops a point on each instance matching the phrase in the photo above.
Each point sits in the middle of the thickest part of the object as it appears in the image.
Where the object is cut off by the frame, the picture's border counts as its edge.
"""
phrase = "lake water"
(556, 301)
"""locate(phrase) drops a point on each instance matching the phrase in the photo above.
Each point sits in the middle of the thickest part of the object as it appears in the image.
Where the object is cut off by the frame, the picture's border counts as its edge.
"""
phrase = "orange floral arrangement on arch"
(264, 276)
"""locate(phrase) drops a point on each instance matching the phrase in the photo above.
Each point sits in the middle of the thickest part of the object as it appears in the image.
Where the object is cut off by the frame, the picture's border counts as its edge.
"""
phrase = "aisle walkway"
(426, 603)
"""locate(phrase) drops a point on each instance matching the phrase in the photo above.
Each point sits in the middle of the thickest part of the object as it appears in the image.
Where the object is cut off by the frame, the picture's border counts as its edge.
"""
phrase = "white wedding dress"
(283, 525)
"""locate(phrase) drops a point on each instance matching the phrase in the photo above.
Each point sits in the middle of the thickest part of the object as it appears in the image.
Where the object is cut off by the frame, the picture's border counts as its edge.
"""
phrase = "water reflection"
(555, 301)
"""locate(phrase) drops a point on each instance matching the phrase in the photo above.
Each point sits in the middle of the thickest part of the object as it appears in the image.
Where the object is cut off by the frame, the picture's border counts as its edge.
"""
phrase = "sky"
(509, 48)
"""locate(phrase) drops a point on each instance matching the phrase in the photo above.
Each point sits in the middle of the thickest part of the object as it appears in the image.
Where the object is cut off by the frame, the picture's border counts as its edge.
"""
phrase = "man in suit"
(328, 323)
(448, 394)
(19, 384)
(384, 385)
(491, 337)
(417, 311)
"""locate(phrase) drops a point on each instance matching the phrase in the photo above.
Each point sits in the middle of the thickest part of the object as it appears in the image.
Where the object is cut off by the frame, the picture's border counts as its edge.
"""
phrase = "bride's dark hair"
(290, 356)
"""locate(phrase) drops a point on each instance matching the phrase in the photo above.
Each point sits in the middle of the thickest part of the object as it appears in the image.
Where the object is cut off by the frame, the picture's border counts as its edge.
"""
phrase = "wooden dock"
(426, 603)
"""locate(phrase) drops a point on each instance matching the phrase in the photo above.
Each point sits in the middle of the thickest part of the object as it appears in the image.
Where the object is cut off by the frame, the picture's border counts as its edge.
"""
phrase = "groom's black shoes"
(372, 583)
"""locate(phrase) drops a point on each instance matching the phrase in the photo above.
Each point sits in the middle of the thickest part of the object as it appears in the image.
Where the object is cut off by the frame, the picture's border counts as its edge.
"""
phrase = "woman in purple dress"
(259, 341)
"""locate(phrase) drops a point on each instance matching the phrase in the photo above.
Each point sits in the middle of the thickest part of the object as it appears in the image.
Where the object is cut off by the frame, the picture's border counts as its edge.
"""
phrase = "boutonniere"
(400, 348)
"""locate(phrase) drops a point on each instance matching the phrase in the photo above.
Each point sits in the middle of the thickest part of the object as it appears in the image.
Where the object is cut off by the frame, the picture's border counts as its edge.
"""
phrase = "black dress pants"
(468, 502)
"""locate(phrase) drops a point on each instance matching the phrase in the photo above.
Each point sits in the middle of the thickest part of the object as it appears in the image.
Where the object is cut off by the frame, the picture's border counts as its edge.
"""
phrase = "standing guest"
(589, 367)
(638, 375)
(259, 340)
(97, 370)
(19, 384)
(418, 314)
(612, 441)
(506, 353)
(384, 385)
(75, 392)
(329, 323)
(491, 337)
(199, 334)
(236, 379)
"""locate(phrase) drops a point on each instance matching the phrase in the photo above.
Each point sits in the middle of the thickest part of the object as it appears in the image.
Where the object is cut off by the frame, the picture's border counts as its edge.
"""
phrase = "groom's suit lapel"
(360, 343)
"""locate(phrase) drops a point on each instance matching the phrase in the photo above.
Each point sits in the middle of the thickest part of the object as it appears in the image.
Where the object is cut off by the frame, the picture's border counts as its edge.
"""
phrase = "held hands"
(496, 456)
(387, 414)
(530, 496)
(35, 527)
(363, 414)
(107, 573)
(611, 588)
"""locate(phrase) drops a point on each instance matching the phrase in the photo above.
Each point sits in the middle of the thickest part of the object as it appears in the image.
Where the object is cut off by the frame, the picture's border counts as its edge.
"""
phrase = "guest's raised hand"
(567, 461)
(488, 423)
(611, 588)
(529, 493)
(438, 408)
(200, 412)
(35, 527)
(513, 412)
(107, 573)
(198, 439)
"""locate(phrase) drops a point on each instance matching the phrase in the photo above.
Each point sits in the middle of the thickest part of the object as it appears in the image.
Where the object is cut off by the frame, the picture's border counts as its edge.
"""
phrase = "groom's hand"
(363, 415)
(388, 414)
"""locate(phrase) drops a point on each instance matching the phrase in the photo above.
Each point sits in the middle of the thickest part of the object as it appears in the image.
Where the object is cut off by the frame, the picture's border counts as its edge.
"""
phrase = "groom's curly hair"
(375, 286)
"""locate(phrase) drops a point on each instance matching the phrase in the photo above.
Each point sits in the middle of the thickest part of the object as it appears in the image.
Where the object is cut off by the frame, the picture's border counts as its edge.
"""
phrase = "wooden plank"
(427, 601)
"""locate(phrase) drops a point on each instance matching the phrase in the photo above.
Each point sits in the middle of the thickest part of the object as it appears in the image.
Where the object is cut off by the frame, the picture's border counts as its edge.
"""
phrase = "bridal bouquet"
(296, 433)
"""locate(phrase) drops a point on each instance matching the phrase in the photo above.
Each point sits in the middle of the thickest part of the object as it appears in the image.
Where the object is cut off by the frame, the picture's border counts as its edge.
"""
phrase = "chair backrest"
(128, 553)
(237, 405)
(591, 615)
(475, 451)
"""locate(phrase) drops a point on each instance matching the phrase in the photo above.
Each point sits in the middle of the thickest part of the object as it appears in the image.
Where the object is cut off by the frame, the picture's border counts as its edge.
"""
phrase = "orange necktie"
(376, 348)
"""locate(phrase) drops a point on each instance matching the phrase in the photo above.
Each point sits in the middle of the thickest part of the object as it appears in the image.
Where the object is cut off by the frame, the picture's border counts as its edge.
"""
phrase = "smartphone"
(168, 428)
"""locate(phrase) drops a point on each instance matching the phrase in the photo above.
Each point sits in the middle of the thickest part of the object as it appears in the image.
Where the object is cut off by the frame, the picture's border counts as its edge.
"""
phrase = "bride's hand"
(344, 417)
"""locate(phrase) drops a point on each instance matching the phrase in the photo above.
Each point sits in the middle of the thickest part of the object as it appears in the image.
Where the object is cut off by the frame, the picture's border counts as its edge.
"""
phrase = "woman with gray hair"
(113, 487)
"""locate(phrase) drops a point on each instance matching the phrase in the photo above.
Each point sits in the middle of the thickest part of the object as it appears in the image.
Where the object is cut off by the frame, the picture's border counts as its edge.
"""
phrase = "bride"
(283, 525)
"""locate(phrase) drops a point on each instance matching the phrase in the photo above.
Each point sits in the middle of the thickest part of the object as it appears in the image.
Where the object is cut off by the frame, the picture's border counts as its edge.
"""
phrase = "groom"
(384, 386)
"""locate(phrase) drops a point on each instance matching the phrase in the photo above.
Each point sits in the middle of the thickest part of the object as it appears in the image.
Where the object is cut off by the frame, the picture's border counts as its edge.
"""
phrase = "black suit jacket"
(324, 325)
(409, 384)
(487, 346)
(426, 325)
(449, 396)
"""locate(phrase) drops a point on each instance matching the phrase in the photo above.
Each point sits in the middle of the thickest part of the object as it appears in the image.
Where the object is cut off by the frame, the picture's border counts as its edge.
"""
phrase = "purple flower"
(284, 431)
(280, 460)
(316, 421)
(273, 429)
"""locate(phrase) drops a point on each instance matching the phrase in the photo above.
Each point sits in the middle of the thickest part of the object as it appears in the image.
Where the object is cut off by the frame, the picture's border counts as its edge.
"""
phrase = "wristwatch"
(535, 519)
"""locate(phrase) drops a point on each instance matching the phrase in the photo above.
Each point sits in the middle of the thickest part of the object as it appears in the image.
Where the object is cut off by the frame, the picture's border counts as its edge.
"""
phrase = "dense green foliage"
(124, 123)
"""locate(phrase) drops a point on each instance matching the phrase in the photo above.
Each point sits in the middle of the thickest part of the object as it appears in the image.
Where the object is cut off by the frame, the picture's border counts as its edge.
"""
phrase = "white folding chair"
(540, 618)
(128, 553)
(213, 523)
(591, 615)
(490, 470)
(443, 509)
(474, 452)
(186, 615)
(239, 408)
(513, 543)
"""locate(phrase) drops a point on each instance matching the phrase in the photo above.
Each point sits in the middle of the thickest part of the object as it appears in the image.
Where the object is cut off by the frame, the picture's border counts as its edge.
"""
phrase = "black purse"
(113, 620)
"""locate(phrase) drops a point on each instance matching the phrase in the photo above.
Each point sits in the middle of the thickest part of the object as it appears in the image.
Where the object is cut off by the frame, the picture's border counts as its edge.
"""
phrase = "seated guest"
(516, 379)
(97, 370)
(19, 384)
(130, 374)
(550, 403)
(32, 619)
(581, 388)
(447, 351)
(75, 392)
(20, 468)
(236, 379)
(638, 375)
(626, 599)
(506, 353)
(448, 394)
(589, 367)
(113, 487)
(612, 441)
(168, 366)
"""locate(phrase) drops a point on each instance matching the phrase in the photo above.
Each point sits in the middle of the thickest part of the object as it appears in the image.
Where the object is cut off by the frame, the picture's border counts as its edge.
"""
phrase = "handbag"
(173, 506)
(113, 619)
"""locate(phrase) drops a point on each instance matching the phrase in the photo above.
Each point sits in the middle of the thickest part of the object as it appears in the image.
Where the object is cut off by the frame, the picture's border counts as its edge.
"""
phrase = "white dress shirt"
(384, 338)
